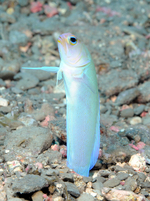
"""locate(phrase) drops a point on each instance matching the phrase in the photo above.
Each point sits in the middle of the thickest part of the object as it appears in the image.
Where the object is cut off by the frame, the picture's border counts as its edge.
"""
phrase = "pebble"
(85, 196)
(122, 176)
(72, 189)
(121, 195)
(146, 120)
(127, 112)
(5, 17)
(112, 182)
(26, 140)
(2, 83)
(136, 120)
(103, 109)
(130, 184)
(138, 110)
(37, 196)
(59, 199)
(17, 37)
(137, 162)
(27, 81)
(127, 96)
(144, 92)
(23, 2)
(4, 102)
(129, 77)
(29, 183)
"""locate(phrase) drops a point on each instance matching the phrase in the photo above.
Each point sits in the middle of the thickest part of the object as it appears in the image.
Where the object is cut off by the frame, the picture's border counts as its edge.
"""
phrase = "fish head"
(72, 51)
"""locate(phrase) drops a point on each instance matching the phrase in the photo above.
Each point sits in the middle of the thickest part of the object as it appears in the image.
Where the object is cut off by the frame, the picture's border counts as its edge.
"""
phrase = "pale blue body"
(83, 114)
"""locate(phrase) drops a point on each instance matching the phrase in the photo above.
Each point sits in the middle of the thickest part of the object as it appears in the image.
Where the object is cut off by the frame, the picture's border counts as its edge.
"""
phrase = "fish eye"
(72, 40)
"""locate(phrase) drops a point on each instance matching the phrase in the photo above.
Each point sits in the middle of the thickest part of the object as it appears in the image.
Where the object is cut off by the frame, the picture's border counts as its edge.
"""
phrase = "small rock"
(116, 85)
(130, 184)
(97, 185)
(29, 183)
(112, 182)
(103, 109)
(72, 189)
(127, 96)
(6, 109)
(38, 196)
(17, 37)
(138, 110)
(28, 81)
(85, 196)
(136, 120)
(23, 2)
(122, 176)
(3, 102)
(146, 120)
(121, 195)
(5, 17)
(59, 199)
(27, 140)
(2, 83)
(66, 177)
(144, 192)
(144, 92)
(127, 112)
(137, 162)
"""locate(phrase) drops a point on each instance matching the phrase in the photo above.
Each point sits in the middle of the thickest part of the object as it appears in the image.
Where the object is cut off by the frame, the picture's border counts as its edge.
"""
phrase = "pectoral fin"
(45, 68)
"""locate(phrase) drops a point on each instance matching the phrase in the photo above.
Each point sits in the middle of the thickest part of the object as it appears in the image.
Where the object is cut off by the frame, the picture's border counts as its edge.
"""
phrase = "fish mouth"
(59, 39)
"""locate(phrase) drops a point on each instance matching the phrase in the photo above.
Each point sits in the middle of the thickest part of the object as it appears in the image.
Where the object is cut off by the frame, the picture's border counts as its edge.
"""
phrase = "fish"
(77, 70)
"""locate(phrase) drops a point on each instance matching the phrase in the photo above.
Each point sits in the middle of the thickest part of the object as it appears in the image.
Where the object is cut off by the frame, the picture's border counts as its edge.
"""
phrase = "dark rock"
(141, 177)
(98, 185)
(132, 132)
(10, 69)
(28, 81)
(47, 26)
(144, 92)
(112, 182)
(87, 179)
(16, 90)
(138, 110)
(118, 80)
(127, 112)
(103, 109)
(5, 17)
(29, 183)
(130, 184)
(66, 177)
(85, 196)
(50, 157)
(145, 184)
(2, 83)
(72, 189)
(146, 120)
(104, 173)
(122, 176)
(50, 172)
(23, 2)
(127, 96)
(32, 140)
(17, 37)
(115, 64)
(144, 192)
(6, 109)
